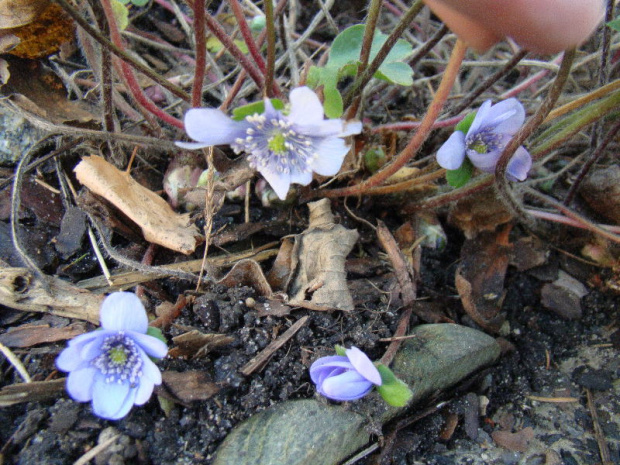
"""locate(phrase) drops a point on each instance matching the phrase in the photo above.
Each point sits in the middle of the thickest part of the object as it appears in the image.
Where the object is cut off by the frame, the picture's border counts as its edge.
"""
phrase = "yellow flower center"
(118, 355)
(277, 143)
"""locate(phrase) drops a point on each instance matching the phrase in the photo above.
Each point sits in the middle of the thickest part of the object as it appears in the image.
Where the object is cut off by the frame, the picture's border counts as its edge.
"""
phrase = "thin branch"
(271, 48)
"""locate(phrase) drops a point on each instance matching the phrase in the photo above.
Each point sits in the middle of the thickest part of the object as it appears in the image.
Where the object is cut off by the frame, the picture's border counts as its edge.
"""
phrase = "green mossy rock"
(311, 432)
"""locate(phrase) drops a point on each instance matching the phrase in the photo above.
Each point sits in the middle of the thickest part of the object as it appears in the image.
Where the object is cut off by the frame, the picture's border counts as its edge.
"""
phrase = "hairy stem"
(201, 52)
(449, 76)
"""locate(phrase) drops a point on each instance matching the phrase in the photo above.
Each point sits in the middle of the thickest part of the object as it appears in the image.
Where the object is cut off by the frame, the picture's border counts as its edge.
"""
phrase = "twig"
(599, 434)
(268, 351)
(17, 364)
(91, 454)
(209, 211)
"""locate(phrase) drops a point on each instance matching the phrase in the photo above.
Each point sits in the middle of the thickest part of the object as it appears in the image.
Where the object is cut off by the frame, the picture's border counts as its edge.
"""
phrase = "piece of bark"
(516, 442)
(30, 335)
(20, 290)
(159, 223)
(195, 344)
(318, 259)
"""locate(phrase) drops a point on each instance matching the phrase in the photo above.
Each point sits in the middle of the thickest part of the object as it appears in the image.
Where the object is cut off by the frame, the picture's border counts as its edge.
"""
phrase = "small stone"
(596, 380)
(563, 296)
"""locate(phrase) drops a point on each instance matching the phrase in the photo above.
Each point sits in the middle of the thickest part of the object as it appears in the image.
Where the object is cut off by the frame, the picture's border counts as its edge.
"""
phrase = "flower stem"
(364, 73)
(232, 48)
(201, 52)
(247, 34)
(120, 53)
(369, 32)
(449, 76)
(128, 75)
(501, 182)
(271, 48)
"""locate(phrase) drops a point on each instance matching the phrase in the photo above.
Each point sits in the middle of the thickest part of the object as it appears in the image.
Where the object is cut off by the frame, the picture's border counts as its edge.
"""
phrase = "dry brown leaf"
(44, 35)
(247, 273)
(15, 13)
(318, 259)
(20, 290)
(518, 442)
(159, 223)
(36, 89)
(190, 385)
(480, 278)
(478, 212)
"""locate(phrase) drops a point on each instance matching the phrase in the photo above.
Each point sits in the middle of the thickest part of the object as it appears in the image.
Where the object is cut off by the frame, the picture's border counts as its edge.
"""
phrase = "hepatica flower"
(284, 148)
(483, 142)
(345, 377)
(111, 366)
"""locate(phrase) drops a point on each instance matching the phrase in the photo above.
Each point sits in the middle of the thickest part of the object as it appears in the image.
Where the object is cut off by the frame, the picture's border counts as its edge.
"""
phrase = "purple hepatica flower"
(111, 366)
(490, 131)
(285, 149)
(345, 378)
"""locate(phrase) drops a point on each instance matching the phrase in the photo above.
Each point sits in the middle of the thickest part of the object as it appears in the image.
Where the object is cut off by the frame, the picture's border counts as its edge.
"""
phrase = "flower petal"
(123, 311)
(144, 391)
(506, 117)
(80, 383)
(331, 153)
(149, 344)
(212, 126)
(71, 357)
(484, 161)
(306, 108)
(328, 362)
(519, 165)
(301, 177)
(351, 128)
(192, 145)
(279, 182)
(112, 400)
(324, 128)
(480, 118)
(347, 386)
(363, 365)
(452, 153)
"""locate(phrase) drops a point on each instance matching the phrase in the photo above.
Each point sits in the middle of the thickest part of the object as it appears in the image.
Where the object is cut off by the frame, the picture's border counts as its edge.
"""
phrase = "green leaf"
(240, 113)
(395, 392)
(340, 350)
(396, 73)
(121, 14)
(465, 123)
(333, 105)
(460, 176)
(139, 2)
(156, 333)
(313, 79)
(615, 24)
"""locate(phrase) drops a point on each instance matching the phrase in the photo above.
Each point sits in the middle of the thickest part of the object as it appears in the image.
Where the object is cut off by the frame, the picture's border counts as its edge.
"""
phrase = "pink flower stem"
(449, 76)
(404, 126)
(201, 52)
(247, 34)
(129, 76)
(572, 218)
(232, 48)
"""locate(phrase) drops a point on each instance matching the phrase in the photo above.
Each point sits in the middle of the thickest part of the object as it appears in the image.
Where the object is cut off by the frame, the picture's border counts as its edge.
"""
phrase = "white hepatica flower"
(285, 149)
